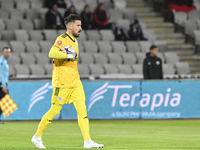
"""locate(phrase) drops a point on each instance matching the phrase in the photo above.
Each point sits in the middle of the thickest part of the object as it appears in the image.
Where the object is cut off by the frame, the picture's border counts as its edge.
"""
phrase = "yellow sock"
(82, 119)
(47, 118)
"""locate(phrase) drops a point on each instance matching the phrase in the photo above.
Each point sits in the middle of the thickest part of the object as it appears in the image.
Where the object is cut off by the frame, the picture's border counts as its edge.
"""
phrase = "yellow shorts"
(67, 95)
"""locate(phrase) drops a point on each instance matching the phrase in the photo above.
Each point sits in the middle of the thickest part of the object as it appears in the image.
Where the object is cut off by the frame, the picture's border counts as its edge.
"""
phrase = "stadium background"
(22, 27)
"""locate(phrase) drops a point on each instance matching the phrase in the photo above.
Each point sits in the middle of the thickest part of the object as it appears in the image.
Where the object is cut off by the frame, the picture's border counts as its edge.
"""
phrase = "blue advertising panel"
(112, 100)
(170, 99)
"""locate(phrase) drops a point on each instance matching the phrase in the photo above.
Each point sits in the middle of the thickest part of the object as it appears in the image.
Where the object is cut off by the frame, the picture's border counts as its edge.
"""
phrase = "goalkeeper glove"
(71, 53)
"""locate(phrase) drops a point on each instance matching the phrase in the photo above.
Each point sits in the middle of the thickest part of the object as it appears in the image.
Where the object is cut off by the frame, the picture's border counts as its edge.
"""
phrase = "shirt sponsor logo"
(60, 99)
(59, 42)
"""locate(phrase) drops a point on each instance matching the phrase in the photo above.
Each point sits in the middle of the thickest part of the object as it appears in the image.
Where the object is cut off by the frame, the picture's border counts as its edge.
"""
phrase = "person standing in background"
(4, 74)
(87, 18)
(152, 65)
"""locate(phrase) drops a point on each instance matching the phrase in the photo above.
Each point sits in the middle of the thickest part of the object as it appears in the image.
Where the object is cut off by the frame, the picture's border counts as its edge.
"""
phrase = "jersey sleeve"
(3, 83)
(55, 52)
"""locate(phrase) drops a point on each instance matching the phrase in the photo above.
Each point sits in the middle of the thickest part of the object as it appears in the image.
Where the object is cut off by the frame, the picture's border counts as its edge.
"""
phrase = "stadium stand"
(22, 26)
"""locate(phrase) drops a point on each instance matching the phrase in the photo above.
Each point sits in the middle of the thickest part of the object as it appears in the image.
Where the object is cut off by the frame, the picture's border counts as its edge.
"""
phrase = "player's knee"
(55, 109)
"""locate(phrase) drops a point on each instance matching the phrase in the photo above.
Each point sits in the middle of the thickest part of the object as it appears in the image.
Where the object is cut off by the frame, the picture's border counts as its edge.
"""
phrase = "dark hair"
(86, 7)
(152, 47)
(71, 18)
(98, 6)
(5, 48)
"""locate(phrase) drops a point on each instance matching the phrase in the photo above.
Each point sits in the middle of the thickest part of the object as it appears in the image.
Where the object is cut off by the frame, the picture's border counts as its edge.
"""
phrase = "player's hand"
(5, 90)
(71, 54)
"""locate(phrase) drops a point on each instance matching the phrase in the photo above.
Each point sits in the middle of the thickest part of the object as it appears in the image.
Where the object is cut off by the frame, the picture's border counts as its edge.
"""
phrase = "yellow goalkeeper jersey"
(65, 73)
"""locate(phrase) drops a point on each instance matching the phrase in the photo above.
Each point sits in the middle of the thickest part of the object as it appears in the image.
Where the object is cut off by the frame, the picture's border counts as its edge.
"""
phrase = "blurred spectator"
(135, 32)
(71, 10)
(152, 65)
(101, 17)
(119, 33)
(60, 3)
(87, 18)
(54, 19)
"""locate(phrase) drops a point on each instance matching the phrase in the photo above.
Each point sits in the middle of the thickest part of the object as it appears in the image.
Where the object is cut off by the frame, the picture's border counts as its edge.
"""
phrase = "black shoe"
(1, 122)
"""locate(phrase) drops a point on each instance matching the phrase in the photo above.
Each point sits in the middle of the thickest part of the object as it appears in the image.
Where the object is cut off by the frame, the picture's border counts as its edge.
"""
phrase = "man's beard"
(76, 35)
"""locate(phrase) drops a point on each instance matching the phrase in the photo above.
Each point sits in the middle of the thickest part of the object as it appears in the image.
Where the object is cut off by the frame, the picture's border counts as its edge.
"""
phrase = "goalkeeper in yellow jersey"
(67, 87)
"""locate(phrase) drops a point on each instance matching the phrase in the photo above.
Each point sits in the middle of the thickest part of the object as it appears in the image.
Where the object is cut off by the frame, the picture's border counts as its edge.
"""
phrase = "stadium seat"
(114, 15)
(104, 46)
(125, 69)
(197, 37)
(36, 35)
(38, 23)
(193, 15)
(11, 69)
(32, 46)
(125, 23)
(36, 4)
(111, 68)
(129, 58)
(81, 47)
(42, 13)
(162, 45)
(79, 5)
(48, 69)
(107, 35)
(62, 11)
(26, 24)
(118, 46)
(133, 46)
(86, 58)
(120, 4)
(137, 68)
(7, 35)
(93, 35)
(168, 69)
(37, 70)
(83, 69)
(140, 57)
(45, 46)
(82, 37)
(189, 27)
(14, 59)
(27, 58)
(16, 14)
(2, 25)
(31, 14)
(115, 58)
(4, 14)
(179, 17)
(145, 46)
(22, 4)
(4, 44)
(21, 35)
(129, 13)
(42, 58)
(50, 35)
(12, 24)
(17, 46)
(182, 68)
(100, 58)
(5, 4)
(149, 35)
(90, 46)
(92, 4)
(96, 69)
(62, 31)
(161, 56)
(171, 57)
(107, 4)
(22, 69)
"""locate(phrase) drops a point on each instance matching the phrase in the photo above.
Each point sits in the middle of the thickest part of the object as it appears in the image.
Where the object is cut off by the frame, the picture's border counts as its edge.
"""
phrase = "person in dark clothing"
(135, 32)
(152, 65)
(60, 3)
(87, 18)
(101, 18)
(54, 19)
(119, 33)
(71, 10)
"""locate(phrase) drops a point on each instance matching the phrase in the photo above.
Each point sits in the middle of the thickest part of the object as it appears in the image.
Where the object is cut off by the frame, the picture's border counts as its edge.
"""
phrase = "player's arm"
(3, 83)
(56, 52)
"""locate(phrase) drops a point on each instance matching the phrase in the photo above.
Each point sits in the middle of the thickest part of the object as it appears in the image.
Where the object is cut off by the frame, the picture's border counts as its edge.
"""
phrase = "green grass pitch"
(114, 134)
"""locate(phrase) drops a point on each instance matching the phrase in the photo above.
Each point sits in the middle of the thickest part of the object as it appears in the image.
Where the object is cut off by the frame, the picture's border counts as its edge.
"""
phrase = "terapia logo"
(38, 95)
(152, 100)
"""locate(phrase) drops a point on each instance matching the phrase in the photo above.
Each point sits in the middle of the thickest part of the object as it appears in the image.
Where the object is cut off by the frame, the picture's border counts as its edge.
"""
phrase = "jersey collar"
(71, 37)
